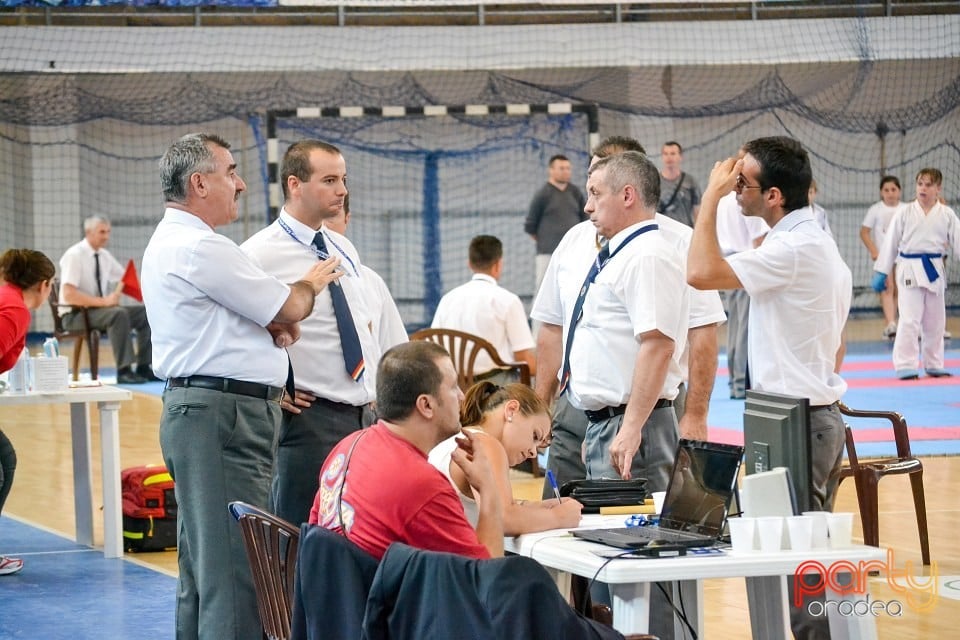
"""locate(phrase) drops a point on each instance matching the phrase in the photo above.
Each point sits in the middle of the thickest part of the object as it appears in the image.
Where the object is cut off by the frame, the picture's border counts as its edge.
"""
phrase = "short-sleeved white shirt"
(78, 268)
(571, 262)
(317, 357)
(388, 326)
(878, 220)
(485, 309)
(208, 305)
(800, 290)
(642, 288)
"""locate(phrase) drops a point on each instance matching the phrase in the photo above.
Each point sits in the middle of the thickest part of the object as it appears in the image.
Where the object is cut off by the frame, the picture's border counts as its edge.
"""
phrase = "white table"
(108, 402)
(630, 580)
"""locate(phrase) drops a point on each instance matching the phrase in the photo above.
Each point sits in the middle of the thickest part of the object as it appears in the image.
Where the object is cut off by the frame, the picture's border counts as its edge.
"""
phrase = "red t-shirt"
(14, 322)
(392, 495)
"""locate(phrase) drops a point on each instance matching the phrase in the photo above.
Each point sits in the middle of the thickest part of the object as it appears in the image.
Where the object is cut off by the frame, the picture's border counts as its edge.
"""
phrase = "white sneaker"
(890, 331)
(10, 565)
(947, 335)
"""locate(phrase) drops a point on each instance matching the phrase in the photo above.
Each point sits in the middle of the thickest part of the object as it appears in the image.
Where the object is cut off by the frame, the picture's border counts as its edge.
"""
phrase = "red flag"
(131, 283)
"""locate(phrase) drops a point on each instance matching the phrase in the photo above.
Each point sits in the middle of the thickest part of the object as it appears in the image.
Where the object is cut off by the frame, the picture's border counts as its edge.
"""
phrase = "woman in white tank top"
(512, 423)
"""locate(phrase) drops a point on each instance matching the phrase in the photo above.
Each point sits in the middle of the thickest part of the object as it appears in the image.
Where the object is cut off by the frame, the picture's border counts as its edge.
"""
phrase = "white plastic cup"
(743, 533)
(820, 529)
(658, 497)
(840, 526)
(800, 529)
(770, 531)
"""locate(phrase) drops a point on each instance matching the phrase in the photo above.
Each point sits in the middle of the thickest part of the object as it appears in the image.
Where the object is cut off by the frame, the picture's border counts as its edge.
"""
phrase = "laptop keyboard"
(658, 533)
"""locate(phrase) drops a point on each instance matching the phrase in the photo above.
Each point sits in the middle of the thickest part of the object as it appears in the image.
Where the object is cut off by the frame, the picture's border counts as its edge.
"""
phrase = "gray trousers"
(738, 308)
(653, 461)
(303, 443)
(218, 448)
(827, 439)
(569, 429)
(119, 322)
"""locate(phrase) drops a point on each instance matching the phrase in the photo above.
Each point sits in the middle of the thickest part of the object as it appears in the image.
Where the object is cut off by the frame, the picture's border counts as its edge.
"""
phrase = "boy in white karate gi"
(919, 235)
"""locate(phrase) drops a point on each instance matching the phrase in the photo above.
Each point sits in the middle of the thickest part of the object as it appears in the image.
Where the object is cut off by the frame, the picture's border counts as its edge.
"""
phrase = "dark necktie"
(602, 258)
(601, 261)
(349, 340)
(96, 259)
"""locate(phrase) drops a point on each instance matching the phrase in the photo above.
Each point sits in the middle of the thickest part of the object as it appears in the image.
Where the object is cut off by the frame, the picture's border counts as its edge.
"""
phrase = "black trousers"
(8, 464)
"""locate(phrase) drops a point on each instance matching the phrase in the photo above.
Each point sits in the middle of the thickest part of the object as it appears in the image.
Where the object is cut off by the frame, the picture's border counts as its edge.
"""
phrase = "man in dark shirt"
(556, 207)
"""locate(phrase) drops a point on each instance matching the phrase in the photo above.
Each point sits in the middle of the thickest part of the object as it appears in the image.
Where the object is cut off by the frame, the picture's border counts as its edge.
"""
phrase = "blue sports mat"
(68, 591)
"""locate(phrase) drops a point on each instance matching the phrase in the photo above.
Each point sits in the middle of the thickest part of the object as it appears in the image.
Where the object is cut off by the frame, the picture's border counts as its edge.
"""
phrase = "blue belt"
(927, 260)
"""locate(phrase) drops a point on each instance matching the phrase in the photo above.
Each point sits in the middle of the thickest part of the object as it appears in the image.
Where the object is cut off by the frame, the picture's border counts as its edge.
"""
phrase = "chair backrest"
(464, 348)
(901, 434)
(54, 300)
(271, 544)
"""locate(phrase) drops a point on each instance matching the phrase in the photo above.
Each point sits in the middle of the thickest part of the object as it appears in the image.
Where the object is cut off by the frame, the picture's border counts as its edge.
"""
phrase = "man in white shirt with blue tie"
(335, 360)
(623, 348)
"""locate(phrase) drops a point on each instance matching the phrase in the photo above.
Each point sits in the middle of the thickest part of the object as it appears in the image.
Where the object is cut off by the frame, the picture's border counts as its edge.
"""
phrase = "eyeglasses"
(742, 184)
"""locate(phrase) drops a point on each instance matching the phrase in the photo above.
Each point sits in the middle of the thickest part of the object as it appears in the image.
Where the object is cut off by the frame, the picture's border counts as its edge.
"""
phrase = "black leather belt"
(821, 407)
(611, 412)
(229, 385)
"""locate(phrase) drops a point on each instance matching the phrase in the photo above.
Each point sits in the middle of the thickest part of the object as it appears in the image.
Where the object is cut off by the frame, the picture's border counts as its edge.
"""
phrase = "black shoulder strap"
(664, 207)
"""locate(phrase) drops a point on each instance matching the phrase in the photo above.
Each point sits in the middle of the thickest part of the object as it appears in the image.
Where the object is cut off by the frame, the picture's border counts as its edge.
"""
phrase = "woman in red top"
(25, 280)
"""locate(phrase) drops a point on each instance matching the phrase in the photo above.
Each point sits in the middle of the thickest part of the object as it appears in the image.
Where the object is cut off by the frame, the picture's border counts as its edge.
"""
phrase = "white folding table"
(108, 401)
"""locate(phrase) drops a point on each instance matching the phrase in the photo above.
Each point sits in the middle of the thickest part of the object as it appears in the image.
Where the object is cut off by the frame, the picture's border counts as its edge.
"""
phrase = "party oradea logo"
(849, 582)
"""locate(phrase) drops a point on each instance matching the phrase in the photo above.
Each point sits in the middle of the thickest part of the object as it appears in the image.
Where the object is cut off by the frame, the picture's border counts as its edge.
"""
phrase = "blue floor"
(68, 591)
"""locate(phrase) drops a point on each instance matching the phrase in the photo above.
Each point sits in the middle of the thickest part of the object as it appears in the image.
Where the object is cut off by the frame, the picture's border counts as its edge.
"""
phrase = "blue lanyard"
(600, 264)
(317, 252)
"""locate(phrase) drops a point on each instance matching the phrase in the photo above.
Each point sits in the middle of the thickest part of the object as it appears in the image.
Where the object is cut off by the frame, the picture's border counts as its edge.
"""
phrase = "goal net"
(85, 113)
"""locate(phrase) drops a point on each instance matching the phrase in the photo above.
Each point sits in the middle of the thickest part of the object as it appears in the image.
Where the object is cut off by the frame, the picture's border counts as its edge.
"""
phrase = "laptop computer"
(701, 487)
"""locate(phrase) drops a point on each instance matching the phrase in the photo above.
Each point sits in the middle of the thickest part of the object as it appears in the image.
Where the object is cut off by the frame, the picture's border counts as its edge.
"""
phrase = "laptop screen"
(703, 481)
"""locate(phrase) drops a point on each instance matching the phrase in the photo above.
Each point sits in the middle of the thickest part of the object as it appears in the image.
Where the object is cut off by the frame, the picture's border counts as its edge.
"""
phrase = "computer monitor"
(776, 433)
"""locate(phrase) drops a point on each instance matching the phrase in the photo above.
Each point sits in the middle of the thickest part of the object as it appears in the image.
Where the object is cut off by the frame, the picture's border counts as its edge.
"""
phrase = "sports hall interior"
(90, 97)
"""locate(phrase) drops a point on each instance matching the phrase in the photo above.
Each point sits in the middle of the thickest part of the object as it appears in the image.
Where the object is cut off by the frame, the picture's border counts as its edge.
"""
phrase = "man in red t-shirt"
(392, 494)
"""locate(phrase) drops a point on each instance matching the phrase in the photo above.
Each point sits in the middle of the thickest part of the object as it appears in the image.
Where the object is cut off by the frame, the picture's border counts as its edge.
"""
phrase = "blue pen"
(553, 483)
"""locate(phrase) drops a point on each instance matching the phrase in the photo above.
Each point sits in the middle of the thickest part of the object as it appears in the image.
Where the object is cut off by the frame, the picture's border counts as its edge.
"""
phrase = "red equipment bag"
(149, 509)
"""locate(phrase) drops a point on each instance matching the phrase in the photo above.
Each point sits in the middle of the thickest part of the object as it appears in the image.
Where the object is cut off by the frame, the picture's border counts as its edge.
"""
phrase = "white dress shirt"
(317, 356)
(78, 267)
(572, 260)
(388, 326)
(800, 290)
(641, 288)
(485, 309)
(208, 305)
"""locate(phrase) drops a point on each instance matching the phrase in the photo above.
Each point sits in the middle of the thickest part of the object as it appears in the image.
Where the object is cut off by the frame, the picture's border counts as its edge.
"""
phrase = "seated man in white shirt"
(485, 309)
(88, 278)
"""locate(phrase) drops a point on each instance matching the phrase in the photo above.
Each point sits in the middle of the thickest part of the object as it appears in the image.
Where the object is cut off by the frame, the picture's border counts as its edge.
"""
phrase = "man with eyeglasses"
(800, 291)
(736, 233)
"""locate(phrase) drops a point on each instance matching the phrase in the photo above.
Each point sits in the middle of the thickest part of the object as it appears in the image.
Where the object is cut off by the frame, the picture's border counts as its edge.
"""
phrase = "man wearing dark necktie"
(88, 273)
(335, 360)
(628, 328)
